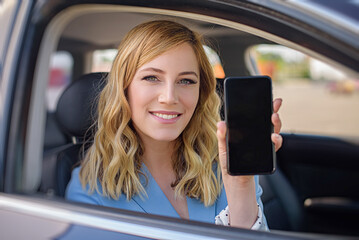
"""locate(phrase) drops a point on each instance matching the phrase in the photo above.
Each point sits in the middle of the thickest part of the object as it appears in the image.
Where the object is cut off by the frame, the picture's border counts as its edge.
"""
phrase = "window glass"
(102, 60)
(318, 99)
(60, 76)
(215, 62)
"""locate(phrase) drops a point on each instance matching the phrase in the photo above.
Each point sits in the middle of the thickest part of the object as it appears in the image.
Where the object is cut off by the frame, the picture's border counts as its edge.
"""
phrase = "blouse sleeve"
(260, 224)
(223, 219)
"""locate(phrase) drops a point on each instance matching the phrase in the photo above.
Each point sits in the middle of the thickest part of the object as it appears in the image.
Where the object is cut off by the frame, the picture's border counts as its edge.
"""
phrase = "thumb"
(222, 147)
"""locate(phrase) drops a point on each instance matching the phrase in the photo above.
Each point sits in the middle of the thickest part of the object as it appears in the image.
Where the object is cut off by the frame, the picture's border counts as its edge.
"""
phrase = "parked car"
(47, 46)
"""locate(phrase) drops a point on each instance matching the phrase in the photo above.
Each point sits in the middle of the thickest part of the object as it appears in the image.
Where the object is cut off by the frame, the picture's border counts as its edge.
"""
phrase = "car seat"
(75, 114)
(54, 137)
(281, 204)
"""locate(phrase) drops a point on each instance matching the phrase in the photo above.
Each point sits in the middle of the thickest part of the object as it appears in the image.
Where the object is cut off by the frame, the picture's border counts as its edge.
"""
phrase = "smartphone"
(248, 111)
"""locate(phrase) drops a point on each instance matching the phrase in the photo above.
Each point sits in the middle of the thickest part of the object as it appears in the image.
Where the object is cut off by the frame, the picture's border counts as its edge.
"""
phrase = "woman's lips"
(166, 117)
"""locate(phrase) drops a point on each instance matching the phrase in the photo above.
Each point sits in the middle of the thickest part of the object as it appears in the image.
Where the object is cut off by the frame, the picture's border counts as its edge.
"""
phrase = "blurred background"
(297, 78)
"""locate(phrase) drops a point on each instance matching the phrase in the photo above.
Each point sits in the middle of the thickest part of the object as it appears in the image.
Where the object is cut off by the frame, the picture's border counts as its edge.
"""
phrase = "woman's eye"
(150, 78)
(187, 81)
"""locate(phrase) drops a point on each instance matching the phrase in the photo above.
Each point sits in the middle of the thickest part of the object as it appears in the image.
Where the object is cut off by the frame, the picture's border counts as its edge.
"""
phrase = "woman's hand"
(240, 190)
(277, 123)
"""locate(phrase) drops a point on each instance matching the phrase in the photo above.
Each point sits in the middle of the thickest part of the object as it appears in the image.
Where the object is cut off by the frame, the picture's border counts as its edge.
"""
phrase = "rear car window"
(60, 76)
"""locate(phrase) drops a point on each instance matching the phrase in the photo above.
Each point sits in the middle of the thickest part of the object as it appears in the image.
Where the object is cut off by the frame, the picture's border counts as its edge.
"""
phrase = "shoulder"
(75, 192)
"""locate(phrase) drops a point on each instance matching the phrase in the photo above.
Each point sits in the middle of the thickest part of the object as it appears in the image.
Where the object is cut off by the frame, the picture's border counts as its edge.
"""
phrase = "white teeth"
(165, 116)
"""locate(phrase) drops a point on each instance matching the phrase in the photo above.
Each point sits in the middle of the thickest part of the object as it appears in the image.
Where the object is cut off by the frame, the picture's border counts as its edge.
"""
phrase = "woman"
(159, 138)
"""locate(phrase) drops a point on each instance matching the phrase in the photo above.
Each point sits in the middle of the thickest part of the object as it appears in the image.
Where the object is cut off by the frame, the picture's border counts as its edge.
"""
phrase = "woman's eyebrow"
(188, 73)
(153, 69)
(163, 72)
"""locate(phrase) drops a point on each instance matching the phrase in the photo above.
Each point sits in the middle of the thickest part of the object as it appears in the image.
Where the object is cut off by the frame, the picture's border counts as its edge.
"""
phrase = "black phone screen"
(248, 111)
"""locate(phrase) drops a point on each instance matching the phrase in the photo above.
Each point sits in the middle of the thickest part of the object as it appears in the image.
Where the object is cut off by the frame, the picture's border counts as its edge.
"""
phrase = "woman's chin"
(166, 138)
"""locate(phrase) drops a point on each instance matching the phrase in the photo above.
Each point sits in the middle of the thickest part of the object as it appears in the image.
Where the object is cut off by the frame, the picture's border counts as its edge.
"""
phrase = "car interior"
(314, 188)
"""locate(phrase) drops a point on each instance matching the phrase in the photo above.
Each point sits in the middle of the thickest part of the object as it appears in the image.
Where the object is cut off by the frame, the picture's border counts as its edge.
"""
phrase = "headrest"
(77, 107)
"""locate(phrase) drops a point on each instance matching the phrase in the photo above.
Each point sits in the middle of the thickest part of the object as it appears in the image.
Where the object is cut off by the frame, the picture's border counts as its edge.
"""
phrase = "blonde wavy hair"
(114, 158)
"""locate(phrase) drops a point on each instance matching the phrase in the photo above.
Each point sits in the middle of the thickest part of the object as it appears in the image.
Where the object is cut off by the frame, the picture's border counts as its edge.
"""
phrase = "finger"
(277, 140)
(277, 123)
(277, 103)
(222, 148)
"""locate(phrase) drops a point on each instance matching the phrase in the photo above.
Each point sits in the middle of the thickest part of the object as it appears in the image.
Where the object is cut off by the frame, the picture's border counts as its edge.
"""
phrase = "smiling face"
(164, 93)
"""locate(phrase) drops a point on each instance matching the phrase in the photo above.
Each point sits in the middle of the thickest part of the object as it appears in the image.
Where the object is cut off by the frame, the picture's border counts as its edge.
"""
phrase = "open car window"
(318, 99)
(315, 178)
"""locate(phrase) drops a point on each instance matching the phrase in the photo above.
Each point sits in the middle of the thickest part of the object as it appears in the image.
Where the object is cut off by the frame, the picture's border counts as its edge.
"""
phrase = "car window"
(293, 74)
(215, 62)
(61, 66)
(102, 60)
(298, 79)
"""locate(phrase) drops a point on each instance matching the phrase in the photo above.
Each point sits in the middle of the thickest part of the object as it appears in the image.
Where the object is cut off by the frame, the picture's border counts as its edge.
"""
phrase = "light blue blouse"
(156, 201)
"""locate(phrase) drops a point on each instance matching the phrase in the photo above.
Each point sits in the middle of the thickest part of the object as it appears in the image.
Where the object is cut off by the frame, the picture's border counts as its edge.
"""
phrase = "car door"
(323, 171)
(13, 16)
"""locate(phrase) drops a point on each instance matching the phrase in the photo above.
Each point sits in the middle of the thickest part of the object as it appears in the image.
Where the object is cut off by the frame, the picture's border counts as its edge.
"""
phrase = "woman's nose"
(168, 94)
